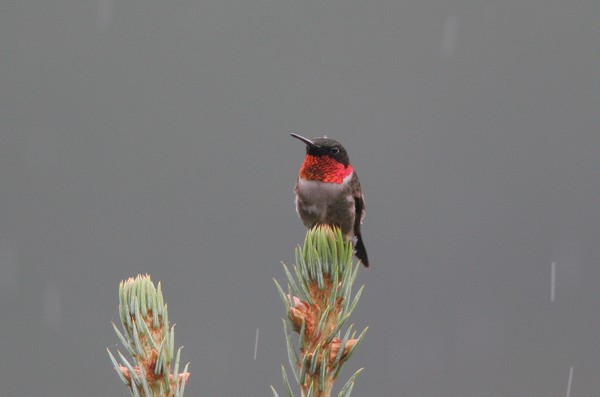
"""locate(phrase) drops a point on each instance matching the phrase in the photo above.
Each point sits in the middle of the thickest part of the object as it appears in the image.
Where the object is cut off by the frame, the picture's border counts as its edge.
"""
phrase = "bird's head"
(326, 160)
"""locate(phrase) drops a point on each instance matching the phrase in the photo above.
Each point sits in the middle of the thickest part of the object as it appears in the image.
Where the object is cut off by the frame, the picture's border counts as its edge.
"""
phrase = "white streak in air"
(105, 13)
(53, 308)
(450, 35)
(552, 281)
(569, 383)
(9, 268)
(256, 344)
(41, 152)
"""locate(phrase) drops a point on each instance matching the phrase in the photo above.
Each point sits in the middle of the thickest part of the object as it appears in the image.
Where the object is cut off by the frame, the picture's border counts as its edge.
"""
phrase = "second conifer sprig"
(150, 341)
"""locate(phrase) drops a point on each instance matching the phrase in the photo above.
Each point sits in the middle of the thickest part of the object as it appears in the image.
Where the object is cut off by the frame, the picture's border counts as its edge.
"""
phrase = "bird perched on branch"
(328, 191)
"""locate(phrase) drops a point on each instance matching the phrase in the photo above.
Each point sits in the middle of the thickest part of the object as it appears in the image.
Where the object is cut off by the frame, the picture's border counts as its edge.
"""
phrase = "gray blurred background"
(152, 136)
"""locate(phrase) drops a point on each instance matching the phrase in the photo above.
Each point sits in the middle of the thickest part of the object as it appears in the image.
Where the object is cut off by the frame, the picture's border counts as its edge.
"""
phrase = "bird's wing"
(359, 246)
(359, 212)
(359, 206)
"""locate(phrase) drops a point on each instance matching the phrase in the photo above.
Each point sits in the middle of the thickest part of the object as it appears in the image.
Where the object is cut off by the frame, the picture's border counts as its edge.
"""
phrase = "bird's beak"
(305, 140)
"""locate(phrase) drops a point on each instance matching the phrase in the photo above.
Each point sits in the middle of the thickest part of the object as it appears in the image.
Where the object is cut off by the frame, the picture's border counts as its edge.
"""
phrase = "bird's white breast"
(321, 191)
(315, 196)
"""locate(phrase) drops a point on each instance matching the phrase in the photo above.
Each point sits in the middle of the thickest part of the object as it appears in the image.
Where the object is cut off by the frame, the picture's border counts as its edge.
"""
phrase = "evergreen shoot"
(318, 300)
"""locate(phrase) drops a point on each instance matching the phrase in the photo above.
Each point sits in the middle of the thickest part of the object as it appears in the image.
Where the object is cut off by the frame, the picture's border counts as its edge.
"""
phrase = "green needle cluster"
(149, 340)
(318, 302)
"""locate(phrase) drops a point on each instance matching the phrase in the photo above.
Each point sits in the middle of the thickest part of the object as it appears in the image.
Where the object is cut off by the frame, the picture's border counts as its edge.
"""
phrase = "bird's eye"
(335, 150)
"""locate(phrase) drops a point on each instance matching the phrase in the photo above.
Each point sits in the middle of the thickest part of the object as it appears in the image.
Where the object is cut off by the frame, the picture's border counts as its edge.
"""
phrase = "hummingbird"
(328, 191)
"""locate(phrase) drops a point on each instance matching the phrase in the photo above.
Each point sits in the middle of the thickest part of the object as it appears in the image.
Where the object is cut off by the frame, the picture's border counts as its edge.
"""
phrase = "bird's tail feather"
(361, 251)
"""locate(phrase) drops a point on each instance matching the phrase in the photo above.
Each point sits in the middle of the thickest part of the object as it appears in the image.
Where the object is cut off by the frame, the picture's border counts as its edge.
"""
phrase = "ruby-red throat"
(328, 191)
